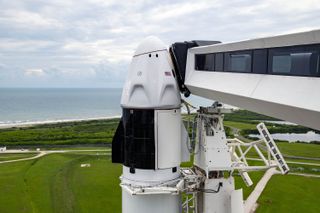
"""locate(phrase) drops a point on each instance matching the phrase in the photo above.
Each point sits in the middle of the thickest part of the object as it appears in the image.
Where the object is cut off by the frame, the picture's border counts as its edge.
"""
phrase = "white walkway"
(250, 203)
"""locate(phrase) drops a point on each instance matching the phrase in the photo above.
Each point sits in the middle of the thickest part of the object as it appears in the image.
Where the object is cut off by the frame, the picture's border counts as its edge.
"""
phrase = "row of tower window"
(294, 60)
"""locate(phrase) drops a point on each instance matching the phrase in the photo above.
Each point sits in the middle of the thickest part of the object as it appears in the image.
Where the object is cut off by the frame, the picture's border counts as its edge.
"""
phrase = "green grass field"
(300, 149)
(57, 183)
(292, 194)
(6, 157)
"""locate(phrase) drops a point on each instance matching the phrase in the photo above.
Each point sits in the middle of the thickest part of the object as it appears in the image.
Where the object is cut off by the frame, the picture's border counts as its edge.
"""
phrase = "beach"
(34, 123)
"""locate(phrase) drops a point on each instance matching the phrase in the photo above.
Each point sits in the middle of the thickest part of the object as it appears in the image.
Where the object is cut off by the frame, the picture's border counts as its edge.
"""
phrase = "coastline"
(34, 123)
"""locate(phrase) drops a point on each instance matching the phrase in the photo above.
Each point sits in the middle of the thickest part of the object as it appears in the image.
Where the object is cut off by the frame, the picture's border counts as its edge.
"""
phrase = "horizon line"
(60, 87)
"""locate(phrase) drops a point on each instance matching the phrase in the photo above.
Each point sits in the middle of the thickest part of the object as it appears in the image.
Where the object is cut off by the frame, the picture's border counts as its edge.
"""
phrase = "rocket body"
(148, 140)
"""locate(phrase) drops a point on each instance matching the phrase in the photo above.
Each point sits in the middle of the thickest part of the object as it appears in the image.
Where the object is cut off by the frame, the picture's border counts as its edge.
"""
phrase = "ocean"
(45, 105)
(24, 106)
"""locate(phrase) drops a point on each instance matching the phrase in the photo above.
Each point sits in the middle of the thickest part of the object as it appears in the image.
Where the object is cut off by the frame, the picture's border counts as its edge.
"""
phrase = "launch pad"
(209, 184)
(275, 76)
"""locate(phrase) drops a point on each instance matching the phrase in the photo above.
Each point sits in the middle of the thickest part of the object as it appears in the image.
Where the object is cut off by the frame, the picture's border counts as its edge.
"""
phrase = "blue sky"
(89, 43)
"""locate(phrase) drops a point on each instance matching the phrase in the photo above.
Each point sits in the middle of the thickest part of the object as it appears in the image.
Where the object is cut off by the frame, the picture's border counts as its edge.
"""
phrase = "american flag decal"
(167, 73)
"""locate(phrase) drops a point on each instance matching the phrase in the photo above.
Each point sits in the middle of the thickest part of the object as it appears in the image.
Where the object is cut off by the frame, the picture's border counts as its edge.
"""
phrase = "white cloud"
(27, 19)
(34, 72)
(25, 45)
(180, 9)
(91, 42)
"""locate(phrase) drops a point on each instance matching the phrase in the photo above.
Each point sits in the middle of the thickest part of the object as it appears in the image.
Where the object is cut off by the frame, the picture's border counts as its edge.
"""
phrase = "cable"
(188, 142)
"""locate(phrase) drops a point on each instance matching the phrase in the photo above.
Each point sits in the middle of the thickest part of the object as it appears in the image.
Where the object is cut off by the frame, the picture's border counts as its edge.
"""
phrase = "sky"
(89, 43)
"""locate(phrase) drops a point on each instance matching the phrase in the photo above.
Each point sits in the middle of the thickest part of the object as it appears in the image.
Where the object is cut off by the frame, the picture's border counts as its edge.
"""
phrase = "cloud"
(34, 72)
(89, 43)
(27, 19)
(180, 9)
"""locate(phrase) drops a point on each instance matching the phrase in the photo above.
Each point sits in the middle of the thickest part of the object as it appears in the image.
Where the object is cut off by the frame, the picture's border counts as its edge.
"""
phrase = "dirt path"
(43, 153)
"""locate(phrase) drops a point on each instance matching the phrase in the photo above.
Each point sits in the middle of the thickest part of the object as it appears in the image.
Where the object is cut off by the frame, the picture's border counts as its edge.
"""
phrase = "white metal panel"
(237, 201)
(295, 99)
(218, 202)
(158, 203)
(275, 152)
(150, 83)
(150, 44)
(147, 177)
(311, 37)
(217, 152)
(212, 151)
(291, 98)
(168, 144)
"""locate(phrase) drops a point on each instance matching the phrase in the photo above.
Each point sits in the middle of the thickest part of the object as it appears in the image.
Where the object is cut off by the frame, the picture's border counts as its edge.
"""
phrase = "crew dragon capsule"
(151, 140)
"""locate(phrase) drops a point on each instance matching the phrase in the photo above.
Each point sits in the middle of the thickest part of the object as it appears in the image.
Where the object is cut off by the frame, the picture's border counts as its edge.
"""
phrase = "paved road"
(304, 174)
(42, 153)
(250, 203)
(292, 162)
(236, 133)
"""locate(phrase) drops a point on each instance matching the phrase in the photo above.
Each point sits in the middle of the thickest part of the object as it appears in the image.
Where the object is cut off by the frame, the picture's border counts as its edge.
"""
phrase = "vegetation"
(102, 131)
(276, 128)
(57, 183)
(290, 194)
(6, 156)
(70, 133)
(245, 115)
(300, 149)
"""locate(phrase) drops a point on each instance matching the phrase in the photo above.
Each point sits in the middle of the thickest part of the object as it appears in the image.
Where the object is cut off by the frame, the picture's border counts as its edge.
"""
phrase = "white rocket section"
(168, 137)
(151, 85)
(156, 203)
(150, 82)
(144, 177)
(291, 98)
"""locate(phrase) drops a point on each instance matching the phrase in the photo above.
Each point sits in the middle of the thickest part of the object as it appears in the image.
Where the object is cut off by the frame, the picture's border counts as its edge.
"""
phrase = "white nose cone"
(150, 82)
(150, 44)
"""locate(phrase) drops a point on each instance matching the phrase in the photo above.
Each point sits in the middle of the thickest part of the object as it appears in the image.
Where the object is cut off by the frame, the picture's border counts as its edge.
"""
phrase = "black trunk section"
(117, 144)
(133, 144)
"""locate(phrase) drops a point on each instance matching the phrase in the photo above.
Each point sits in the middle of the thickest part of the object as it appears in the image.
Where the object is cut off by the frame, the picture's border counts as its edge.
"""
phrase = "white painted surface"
(150, 203)
(150, 44)
(148, 177)
(168, 138)
(212, 151)
(311, 37)
(274, 150)
(150, 82)
(237, 201)
(291, 98)
(218, 202)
